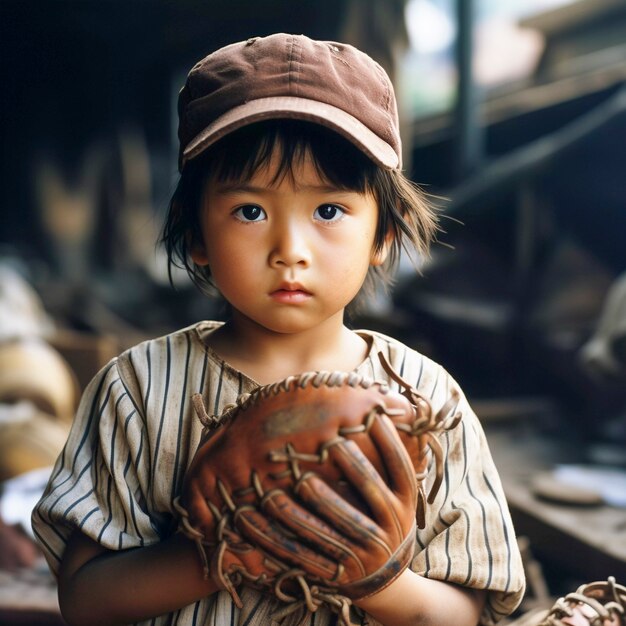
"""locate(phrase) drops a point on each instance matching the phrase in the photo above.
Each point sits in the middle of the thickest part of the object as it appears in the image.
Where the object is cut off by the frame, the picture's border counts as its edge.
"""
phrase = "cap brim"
(295, 108)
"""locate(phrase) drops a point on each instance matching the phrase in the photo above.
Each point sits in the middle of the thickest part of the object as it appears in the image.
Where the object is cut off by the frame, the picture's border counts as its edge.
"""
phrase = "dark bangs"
(239, 155)
(403, 211)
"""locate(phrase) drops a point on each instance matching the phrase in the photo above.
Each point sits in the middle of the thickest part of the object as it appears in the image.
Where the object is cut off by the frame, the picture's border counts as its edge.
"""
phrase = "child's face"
(288, 255)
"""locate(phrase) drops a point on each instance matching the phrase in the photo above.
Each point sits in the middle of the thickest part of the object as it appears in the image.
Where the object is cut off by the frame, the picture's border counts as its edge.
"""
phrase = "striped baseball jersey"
(135, 433)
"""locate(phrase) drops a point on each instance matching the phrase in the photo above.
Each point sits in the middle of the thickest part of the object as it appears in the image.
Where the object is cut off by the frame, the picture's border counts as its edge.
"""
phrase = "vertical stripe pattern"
(135, 434)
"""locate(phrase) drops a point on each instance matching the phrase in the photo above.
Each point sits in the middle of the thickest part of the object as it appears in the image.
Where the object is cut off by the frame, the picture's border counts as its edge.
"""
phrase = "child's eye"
(249, 213)
(328, 213)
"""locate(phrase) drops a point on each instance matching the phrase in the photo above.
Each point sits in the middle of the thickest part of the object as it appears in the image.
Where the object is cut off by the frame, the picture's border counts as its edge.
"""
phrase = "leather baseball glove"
(600, 603)
(311, 488)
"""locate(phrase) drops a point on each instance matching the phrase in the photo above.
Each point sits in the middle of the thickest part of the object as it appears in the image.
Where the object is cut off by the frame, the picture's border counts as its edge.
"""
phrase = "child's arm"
(99, 586)
(412, 600)
(102, 587)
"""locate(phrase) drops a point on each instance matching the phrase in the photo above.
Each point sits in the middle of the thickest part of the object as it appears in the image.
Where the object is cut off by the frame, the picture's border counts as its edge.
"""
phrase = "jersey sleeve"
(469, 537)
(100, 482)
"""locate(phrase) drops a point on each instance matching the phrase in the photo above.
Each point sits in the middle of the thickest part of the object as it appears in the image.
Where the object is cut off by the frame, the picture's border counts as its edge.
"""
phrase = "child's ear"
(197, 252)
(380, 256)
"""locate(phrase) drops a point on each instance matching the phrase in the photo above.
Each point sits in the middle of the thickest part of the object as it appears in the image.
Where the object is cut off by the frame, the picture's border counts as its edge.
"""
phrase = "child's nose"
(290, 246)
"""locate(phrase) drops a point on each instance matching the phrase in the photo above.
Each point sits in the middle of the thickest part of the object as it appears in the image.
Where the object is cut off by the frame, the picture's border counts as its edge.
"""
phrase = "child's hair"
(295, 97)
(404, 211)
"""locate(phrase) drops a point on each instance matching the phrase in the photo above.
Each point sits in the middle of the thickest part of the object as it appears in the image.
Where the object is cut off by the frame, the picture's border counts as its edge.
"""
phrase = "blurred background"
(513, 116)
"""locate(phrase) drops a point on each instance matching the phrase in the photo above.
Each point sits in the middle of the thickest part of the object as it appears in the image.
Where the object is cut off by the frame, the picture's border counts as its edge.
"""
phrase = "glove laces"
(606, 598)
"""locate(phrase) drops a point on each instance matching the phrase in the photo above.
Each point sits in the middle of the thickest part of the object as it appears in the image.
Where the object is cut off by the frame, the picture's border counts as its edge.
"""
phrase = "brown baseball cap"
(294, 77)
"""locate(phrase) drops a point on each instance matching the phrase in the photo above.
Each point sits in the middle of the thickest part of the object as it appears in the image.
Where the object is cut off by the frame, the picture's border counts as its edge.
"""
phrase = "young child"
(291, 197)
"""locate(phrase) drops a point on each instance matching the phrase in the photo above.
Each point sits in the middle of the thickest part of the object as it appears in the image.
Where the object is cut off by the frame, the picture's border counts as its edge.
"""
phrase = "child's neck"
(266, 356)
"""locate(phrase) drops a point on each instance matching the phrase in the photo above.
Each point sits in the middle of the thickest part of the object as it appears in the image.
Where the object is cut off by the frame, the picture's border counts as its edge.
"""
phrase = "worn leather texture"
(311, 488)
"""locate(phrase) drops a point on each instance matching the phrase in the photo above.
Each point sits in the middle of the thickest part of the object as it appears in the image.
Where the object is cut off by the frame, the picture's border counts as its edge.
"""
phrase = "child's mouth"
(290, 295)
